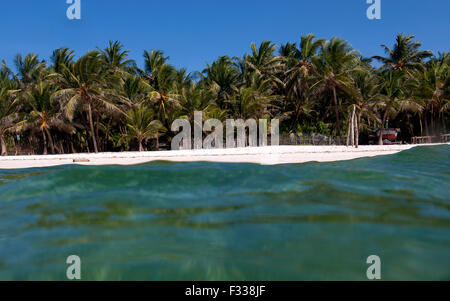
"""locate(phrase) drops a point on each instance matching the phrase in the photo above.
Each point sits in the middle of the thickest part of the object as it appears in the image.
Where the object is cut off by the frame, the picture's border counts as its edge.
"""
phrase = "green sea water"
(214, 221)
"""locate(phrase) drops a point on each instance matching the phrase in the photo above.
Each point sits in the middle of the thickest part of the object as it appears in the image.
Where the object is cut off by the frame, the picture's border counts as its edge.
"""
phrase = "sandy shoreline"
(261, 155)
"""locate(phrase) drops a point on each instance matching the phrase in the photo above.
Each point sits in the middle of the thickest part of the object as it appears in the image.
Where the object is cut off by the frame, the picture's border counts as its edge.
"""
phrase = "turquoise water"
(211, 221)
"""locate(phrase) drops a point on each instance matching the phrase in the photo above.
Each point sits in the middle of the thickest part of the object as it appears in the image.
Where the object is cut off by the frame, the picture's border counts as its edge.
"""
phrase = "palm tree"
(115, 58)
(366, 97)
(62, 57)
(196, 98)
(222, 76)
(299, 73)
(254, 99)
(334, 66)
(302, 64)
(431, 91)
(164, 79)
(395, 89)
(8, 108)
(44, 112)
(84, 85)
(132, 90)
(405, 54)
(262, 60)
(153, 61)
(30, 69)
(164, 96)
(141, 124)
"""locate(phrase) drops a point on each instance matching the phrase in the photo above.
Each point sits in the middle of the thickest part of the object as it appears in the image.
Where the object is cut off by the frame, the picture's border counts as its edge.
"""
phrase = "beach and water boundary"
(269, 155)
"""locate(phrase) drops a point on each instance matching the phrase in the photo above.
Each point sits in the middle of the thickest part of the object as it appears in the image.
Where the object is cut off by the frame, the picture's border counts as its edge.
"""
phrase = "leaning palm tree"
(334, 67)
(84, 85)
(405, 55)
(142, 125)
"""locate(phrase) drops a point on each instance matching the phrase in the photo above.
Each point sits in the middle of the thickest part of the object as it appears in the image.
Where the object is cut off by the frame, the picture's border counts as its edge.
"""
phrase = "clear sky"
(193, 32)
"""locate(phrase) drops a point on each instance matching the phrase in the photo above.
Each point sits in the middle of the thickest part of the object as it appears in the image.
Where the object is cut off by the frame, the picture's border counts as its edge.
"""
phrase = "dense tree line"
(103, 101)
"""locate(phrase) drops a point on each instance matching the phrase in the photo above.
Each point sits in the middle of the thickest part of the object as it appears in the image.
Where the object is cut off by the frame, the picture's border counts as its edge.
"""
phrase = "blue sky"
(193, 32)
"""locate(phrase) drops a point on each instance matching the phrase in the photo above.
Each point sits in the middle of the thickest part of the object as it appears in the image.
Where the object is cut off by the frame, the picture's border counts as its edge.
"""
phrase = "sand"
(270, 155)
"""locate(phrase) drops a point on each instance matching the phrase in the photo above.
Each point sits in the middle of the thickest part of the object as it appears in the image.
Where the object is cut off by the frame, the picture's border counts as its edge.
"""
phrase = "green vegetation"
(103, 101)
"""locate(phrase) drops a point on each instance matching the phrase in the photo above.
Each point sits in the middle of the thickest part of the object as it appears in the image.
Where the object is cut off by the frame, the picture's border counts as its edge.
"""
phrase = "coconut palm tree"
(405, 55)
(366, 97)
(255, 99)
(44, 111)
(262, 60)
(84, 85)
(395, 90)
(30, 69)
(8, 108)
(196, 98)
(431, 91)
(298, 75)
(153, 61)
(164, 96)
(62, 57)
(116, 59)
(142, 125)
(334, 67)
(222, 76)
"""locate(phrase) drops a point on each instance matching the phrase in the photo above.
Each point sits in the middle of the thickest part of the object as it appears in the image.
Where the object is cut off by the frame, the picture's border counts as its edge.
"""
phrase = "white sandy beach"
(270, 155)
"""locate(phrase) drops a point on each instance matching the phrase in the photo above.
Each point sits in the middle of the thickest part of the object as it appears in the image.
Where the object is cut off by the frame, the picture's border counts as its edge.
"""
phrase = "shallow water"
(214, 221)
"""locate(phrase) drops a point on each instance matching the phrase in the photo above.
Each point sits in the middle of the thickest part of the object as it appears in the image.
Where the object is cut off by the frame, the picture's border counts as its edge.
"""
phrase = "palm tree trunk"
(338, 123)
(421, 126)
(353, 125)
(358, 124)
(91, 124)
(348, 132)
(444, 128)
(72, 148)
(45, 142)
(141, 148)
(433, 128)
(383, 122)
(4, 149)
(50, 140)
(157, 142)
(97, 135)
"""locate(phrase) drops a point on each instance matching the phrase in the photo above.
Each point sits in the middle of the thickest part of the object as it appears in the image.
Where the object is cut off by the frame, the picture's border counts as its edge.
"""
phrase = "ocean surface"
(214, 221)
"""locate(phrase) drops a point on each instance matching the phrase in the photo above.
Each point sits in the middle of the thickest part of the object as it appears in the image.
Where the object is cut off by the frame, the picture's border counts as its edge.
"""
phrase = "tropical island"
(103, 101)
